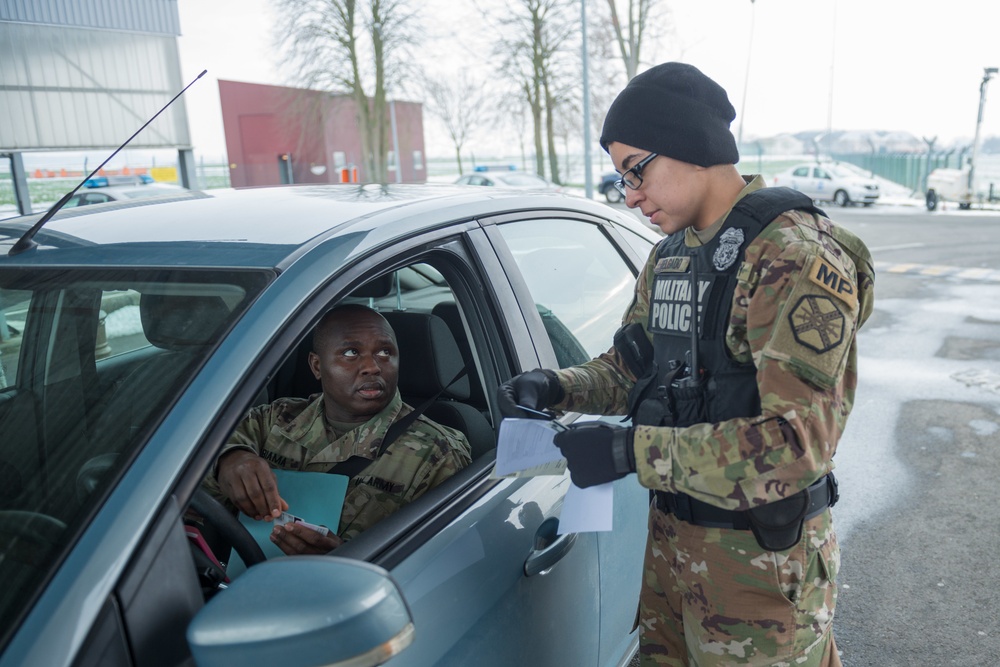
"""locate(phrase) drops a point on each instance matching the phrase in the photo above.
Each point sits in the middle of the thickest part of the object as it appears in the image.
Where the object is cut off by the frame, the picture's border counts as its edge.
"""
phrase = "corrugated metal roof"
(146, 16)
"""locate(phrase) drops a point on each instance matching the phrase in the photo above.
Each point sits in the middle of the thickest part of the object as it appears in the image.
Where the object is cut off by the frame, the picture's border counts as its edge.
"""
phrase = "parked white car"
(830, 182)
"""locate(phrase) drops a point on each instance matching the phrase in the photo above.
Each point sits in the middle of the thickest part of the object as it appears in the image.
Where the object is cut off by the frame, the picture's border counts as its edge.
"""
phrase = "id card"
(291, 518)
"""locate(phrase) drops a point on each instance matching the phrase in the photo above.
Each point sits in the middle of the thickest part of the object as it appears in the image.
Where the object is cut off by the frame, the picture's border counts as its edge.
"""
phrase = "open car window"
(579, 281)
(91, 360)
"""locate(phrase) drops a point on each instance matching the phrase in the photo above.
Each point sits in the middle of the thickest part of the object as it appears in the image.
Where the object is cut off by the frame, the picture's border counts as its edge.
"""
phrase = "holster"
(778, 525)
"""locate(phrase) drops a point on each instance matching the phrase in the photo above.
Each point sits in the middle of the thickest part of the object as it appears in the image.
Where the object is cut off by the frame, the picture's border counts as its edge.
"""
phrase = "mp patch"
(729, 248)
(833, 281)
(817, 323)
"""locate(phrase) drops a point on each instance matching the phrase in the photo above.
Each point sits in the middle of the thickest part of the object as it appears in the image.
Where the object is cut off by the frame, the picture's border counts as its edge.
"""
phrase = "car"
(103, 189)
(520, 180)
(608, 189)
(830, 182)
(131, 352)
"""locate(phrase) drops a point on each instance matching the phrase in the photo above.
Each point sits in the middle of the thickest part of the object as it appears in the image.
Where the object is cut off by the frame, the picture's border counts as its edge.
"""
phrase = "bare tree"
(534, 35)
(629, 34)
(351, 47)
(458, 103)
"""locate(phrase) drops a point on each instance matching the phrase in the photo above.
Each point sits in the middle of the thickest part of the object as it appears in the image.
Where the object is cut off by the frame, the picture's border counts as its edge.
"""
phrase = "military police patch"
(729, 248)
(817, 323)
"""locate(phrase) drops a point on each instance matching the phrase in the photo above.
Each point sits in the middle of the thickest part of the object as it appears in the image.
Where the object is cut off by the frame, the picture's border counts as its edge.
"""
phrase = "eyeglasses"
(633, 177)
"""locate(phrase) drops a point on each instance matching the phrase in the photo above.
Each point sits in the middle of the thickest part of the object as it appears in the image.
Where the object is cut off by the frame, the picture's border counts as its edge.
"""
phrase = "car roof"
(142, 189)
(258, 227)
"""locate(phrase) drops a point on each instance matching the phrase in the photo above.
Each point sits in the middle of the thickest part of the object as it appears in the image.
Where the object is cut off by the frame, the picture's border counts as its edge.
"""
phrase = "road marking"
(964, 273)
(899, 246)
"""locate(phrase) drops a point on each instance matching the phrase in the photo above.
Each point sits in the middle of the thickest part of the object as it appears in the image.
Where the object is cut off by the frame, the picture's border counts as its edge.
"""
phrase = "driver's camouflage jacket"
(293, 434)
(806, 374)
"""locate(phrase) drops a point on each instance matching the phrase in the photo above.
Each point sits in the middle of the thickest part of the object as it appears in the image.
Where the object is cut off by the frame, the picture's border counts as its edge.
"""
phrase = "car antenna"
(27, 242)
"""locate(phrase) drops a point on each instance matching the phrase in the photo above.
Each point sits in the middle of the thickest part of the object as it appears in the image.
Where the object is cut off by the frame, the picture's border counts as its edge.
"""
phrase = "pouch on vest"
(634, 347)
(778, 525)
(690, 404)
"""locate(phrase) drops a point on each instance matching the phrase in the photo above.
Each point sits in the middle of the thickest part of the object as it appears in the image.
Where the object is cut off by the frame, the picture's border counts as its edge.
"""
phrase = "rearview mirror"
(303, 610)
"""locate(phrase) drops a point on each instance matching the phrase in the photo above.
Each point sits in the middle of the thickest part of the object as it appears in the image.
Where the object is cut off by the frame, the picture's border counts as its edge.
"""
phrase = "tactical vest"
(669, 395)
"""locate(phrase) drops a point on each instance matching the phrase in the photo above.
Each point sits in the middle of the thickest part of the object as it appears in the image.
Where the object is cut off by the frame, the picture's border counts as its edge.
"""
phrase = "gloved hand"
(596, 452)
(537, 389)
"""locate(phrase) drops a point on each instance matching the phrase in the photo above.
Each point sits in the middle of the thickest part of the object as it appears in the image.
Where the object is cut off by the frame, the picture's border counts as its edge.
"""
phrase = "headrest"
(429, 357)
(175, 322)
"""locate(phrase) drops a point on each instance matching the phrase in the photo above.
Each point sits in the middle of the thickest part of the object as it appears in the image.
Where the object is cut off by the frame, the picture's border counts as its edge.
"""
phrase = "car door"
(495, 584)
(575, 277)
(802, 180)
(823, 184)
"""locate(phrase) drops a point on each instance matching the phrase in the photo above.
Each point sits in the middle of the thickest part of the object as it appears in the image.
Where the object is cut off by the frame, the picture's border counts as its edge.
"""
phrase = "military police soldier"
(737, 362)
(356, 360)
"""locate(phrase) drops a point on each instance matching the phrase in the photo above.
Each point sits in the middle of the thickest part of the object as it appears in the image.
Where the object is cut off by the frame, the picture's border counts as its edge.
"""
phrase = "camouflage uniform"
(292, 434)
(713, 596)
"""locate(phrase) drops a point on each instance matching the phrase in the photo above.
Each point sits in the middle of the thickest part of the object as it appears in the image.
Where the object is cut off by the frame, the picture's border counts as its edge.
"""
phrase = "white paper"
(525, 444)
(587, 510)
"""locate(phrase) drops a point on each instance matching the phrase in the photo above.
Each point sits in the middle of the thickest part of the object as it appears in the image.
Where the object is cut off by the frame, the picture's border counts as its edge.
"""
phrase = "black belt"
(822, 494)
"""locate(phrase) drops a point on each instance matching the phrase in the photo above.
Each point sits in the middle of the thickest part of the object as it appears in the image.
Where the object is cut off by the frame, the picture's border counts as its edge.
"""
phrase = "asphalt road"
(918, 520)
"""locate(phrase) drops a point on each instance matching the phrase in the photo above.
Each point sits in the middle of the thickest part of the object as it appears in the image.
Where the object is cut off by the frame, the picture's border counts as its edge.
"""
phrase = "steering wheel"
(214, 512)
(229, 527)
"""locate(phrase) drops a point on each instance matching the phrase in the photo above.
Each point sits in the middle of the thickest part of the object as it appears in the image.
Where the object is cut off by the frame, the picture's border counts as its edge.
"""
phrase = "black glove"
(596, 452)
(537, 389)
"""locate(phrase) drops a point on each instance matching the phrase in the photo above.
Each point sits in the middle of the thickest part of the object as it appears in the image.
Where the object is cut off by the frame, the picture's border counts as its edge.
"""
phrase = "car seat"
(431, 366)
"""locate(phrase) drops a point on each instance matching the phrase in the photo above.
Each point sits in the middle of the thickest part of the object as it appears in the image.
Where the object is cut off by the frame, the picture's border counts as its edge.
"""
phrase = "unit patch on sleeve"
(833, 281)
(817, 323)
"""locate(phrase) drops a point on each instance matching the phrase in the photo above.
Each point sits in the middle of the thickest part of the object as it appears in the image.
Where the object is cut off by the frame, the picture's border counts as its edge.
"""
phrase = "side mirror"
(303, 610)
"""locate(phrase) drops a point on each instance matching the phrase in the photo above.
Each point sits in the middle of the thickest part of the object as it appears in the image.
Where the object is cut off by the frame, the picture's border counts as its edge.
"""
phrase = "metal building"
(84, 74)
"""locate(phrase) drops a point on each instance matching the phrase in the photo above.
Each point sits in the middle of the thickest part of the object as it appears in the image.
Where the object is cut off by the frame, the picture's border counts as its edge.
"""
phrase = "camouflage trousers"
(713, 597)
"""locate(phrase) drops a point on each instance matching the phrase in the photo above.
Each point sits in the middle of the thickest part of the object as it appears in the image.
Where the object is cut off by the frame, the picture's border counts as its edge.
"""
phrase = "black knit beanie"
(674, 110)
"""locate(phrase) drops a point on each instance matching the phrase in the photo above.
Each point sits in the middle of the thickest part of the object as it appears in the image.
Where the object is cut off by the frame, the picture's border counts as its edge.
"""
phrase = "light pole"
(746, 78)
(588, 176)
(988, 73)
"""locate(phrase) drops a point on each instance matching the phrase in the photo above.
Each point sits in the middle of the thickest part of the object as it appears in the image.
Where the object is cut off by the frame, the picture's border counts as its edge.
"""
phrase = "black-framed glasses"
(633, 177)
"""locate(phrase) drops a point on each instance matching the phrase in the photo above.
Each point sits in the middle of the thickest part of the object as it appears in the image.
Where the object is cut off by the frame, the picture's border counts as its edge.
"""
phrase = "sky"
(788, 65)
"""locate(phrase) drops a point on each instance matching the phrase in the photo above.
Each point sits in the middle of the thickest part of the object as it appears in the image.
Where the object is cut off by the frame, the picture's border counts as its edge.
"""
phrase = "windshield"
(90, 361)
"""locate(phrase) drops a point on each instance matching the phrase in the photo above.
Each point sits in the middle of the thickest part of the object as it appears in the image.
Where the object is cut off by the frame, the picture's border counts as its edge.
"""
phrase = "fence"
(907, 169)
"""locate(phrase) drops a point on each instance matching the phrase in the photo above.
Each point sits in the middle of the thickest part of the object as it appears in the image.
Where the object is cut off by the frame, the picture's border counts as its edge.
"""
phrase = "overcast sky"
(813, 64)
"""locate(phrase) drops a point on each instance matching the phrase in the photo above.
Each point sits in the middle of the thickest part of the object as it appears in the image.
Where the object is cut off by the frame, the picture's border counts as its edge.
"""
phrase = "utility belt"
(777, 526)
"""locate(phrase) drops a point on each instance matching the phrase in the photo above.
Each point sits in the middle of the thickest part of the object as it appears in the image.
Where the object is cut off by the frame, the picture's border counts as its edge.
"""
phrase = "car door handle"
(549, 547)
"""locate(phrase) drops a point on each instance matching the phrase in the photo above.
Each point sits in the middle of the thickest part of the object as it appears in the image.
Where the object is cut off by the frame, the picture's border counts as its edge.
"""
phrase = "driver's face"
(358, 365)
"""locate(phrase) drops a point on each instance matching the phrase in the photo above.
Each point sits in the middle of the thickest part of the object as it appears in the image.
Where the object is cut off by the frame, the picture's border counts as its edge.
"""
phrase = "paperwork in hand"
(525, 449)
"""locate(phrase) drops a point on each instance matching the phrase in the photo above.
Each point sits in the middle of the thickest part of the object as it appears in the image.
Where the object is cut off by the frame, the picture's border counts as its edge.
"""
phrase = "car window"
(90, 360)
(821, 173)
(581, 285)
(801, 171)
(13, 311)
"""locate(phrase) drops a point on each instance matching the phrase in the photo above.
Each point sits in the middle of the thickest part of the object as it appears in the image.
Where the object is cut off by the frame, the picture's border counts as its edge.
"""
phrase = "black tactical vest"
(723, 389)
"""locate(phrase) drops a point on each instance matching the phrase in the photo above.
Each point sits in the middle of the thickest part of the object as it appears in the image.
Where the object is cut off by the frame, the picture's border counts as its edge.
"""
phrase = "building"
(279, 135)
(83, 75)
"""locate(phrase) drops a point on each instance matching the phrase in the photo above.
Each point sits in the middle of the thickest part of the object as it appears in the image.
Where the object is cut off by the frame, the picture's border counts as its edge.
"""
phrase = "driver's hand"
(295, 539)
(249, 483)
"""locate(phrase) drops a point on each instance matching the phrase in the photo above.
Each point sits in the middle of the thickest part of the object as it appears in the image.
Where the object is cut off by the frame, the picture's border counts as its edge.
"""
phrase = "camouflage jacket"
(291, 434)
(743, 462)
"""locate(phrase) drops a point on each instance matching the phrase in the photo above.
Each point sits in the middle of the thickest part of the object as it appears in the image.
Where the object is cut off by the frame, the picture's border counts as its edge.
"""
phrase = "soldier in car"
(356, 360)
(737, 362)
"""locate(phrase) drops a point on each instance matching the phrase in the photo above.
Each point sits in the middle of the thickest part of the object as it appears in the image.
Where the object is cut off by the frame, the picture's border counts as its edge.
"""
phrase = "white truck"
(959, 185)
(949, 185)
